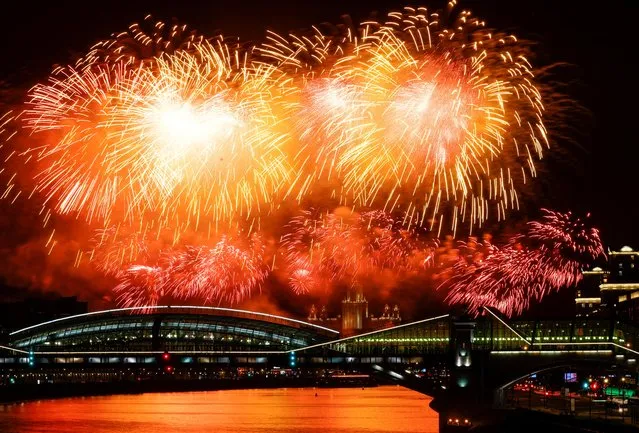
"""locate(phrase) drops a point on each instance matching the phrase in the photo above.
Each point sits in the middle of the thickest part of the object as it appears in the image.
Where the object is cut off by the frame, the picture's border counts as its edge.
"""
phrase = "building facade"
(612, 292)
(620, 290)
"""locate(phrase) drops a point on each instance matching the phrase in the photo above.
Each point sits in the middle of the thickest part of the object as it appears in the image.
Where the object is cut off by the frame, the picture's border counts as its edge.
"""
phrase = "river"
(371, 410)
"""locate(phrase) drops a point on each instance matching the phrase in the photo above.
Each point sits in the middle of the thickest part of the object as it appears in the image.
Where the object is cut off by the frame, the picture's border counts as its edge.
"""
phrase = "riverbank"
(522, 420)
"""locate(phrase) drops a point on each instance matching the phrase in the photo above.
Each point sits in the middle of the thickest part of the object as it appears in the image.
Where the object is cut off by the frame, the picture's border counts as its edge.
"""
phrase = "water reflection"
(371, 410)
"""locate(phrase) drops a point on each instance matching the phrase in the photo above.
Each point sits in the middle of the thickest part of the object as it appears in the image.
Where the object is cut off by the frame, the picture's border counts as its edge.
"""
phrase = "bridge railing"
(429, 336)
(499, 334)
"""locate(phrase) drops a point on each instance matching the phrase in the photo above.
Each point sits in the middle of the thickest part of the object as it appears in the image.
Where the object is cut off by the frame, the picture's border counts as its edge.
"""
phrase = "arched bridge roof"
(175, 328)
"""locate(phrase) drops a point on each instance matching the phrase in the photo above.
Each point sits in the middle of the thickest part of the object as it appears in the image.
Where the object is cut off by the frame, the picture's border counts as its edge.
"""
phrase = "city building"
(620, 289)
(612, 292)
(354, 311)
(323, 318)
(389, 317)
(355, 317)
(588, 293)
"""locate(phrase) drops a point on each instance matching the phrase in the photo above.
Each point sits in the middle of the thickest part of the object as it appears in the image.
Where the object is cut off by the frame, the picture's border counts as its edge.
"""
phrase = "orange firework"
(321, 251)
(208, 146)
(189, 140)
(226, 272)
(414, 116)
(111, 250)
(165, 142)
(141, 43)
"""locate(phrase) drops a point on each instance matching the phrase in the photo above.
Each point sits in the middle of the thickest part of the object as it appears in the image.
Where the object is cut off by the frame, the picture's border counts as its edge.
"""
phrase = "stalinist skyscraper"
(354, 310)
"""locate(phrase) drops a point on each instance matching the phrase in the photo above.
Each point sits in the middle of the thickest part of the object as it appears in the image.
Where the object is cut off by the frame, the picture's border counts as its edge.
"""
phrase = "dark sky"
(598, 176)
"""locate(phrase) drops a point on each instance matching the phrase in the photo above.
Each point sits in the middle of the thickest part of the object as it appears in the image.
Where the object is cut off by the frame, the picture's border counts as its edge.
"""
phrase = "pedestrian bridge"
(209, 335)
(490, 333)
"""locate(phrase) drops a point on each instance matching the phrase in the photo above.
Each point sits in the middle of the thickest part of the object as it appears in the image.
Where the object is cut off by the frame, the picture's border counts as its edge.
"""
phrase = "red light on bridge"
(166, 356)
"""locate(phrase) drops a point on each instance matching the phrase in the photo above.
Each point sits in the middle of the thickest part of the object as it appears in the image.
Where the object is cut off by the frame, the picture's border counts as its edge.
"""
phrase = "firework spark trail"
(549, 256)
(111, 251)
(212, 149)
(415, 116)
(159, 129)
(190, 139)
(142, 43)
(342, 248)
(227, 272)
(320, 250)
(140, 286)
(408, 116)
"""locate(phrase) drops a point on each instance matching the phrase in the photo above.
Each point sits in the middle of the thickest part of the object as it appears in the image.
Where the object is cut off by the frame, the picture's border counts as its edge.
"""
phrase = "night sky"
(595, 172)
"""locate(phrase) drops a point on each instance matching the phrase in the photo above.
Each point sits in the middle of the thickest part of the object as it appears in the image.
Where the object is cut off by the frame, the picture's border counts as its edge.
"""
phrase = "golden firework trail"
(160, 135)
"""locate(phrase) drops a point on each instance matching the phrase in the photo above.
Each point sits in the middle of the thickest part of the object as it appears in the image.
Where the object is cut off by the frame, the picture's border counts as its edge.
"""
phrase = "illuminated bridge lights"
(402, 340)
(240, 336)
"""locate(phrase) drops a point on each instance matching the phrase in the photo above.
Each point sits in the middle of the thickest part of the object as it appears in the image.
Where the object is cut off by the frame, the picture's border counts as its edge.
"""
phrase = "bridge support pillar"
(461, 402)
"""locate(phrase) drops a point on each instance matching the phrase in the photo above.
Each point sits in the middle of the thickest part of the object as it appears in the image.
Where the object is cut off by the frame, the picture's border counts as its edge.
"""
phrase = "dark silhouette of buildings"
(19, 314)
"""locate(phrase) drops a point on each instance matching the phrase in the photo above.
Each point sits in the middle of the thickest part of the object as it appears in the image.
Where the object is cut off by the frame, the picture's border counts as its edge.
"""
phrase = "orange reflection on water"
(371, 410)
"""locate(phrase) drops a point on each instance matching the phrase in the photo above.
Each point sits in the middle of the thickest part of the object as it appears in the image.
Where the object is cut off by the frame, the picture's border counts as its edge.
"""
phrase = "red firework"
(546, 258)
(338, 248)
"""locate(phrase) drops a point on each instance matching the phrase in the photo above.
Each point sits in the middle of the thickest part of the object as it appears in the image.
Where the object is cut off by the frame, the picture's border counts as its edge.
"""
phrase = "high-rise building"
(354, 310)
(321, 315)
(587, 294)
(355, 317)
(620, 288)
(612, 291)
(312, 315)
(396, 315)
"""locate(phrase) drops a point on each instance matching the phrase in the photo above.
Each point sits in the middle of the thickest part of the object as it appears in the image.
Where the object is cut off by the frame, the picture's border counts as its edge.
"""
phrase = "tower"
(386, 314)
(354, 310)
(396, 315)
(312, 315)
(323, 313)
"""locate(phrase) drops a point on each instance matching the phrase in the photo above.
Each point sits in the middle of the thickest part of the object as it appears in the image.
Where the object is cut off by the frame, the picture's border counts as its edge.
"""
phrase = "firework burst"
(189, 141)
(344, 247)
(142, 43)
(415, 116)
(140, 286)
(226, 273)
(547, 257)
(158, 136)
